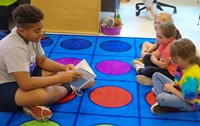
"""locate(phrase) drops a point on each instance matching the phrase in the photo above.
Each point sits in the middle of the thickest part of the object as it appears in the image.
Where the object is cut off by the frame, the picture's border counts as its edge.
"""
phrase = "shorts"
(8, 91)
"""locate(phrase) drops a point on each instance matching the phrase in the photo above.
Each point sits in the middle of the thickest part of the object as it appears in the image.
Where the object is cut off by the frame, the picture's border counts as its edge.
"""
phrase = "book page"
(88, 75)
(83, 64)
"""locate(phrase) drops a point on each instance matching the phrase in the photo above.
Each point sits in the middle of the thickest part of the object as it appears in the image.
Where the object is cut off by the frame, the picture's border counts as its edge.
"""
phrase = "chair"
(159, 4)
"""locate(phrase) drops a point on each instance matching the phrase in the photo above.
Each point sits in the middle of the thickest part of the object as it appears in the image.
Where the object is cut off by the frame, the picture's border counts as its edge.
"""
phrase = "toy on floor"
(117, 21)
(107, 22)
(111, 26)
(110, 22)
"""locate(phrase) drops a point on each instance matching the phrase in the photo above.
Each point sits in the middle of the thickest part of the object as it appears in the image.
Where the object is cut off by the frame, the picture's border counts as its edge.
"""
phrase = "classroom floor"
(116, 99)
(186, 19)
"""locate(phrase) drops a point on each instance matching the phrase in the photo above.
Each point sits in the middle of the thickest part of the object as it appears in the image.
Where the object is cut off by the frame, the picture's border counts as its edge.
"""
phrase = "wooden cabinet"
(70, 16)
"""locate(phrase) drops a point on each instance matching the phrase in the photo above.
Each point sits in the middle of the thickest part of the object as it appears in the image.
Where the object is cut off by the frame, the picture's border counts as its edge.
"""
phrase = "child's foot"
(141, 79)
(39, 113)
(137, 65)
(157, 109)
(71, 89)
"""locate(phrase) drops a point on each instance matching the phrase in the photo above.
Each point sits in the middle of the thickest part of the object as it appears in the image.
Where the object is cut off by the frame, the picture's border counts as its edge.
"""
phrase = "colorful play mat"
(116, 99)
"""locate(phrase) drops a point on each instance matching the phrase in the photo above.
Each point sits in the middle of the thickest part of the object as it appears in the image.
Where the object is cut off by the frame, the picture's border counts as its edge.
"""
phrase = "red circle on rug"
(67, 98)
(151, 98)
(113, 67)
(110, 96)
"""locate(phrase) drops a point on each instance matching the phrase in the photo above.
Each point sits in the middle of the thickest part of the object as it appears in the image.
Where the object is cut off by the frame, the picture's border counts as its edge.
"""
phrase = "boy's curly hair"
(26, 14)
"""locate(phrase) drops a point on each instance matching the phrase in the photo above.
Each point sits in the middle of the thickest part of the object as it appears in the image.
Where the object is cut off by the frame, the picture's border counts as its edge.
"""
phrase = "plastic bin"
(111, 30)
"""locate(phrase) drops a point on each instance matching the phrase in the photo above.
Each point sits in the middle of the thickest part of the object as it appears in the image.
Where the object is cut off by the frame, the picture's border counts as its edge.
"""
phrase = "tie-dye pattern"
(188, 81)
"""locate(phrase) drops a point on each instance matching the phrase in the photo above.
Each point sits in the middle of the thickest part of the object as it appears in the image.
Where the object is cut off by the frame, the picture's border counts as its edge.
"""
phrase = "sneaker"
(141, 79)
(153, 90)
(137, 65)
(76, 91)
(141, 60)
(150, 16)
(154, 9)
(157, 109)
(39, 113)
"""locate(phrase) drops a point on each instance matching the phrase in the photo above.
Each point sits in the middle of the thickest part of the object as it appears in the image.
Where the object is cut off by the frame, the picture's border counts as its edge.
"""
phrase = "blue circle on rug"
(46, 42)
(113, 67)
(143, 43)
(2, 36)
(115, 46)
(75, 44)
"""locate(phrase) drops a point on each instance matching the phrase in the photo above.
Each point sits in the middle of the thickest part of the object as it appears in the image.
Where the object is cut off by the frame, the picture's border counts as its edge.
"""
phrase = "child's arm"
(52, 66)
(171, 89)
(160, 63)
(180, 95)
(155, 57)
(152, 48)
(27, 83)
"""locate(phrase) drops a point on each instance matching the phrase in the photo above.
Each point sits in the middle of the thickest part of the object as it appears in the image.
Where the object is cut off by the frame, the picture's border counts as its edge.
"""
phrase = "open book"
(87, 72)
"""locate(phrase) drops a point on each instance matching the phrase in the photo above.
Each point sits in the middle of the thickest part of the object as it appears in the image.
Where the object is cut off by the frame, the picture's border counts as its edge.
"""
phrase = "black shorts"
(8, 91)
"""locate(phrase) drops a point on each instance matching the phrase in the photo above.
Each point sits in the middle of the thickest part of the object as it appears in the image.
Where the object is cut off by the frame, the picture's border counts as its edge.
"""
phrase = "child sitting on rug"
(183, 93)
(160, 60)
(148, 47)
(28, 79)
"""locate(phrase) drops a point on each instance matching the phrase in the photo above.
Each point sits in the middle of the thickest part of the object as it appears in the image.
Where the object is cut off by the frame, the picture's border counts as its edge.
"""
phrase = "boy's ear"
(21, 31)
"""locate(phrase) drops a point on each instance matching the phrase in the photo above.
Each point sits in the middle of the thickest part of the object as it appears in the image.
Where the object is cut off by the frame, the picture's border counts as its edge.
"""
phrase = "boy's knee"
(44, 96)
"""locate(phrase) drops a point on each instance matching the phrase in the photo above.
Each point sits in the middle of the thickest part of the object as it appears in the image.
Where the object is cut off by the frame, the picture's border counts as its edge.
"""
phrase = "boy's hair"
(26, 14)
(168, 29)
(167, 17)
(164, 16)
(186, 50)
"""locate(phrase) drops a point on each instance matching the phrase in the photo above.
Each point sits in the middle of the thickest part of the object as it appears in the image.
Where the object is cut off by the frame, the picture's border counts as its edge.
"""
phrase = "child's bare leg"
(41, 96)
(47, 73)
(89, 84)
(145, 47)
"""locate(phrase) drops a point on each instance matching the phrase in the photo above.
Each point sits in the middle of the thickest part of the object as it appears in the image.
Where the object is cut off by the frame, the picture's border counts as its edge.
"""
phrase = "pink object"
(110, 30)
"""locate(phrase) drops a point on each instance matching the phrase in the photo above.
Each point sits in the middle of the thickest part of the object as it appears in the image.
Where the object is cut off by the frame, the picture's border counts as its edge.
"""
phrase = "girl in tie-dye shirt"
(184, 92)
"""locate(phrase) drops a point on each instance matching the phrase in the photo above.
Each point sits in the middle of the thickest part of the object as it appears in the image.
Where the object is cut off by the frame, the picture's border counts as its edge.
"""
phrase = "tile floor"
(186, 19)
